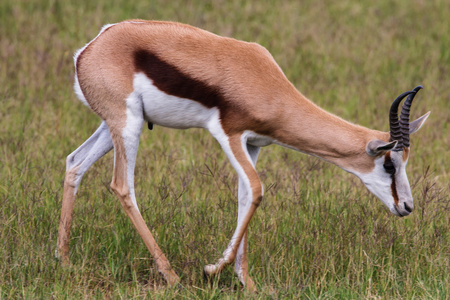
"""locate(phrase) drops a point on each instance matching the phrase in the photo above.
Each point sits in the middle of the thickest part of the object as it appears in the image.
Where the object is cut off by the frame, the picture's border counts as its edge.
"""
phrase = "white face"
(388, 181)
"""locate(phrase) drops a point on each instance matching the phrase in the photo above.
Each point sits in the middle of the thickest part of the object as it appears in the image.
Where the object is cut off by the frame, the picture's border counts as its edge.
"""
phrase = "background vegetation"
(318, 233)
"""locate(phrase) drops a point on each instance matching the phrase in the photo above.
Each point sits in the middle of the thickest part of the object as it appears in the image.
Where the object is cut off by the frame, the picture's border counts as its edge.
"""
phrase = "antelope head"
(388, 180)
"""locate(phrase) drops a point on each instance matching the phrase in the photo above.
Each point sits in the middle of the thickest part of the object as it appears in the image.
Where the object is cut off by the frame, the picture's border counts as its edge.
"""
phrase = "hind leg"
(126, 142)
(77, 163)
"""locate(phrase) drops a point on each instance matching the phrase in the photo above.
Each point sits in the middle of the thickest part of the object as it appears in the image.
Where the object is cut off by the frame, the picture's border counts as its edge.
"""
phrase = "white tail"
(179, 76)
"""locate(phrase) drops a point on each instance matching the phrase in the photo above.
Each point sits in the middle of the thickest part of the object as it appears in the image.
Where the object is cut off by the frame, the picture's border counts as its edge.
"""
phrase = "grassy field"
(318, 234)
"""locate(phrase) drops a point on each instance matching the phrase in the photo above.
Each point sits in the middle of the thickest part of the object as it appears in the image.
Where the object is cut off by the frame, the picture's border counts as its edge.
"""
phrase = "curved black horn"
(394, 125)
(404, 116)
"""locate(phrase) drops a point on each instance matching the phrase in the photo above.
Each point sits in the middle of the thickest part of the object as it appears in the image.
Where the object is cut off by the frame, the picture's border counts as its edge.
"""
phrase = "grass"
(318, 233)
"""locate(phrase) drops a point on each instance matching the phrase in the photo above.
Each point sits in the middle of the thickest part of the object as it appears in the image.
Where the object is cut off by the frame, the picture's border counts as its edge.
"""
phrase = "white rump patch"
(76, 85)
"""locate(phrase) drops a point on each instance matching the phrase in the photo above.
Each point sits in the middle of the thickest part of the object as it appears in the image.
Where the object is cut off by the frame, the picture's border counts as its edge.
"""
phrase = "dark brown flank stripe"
(387, 159)
(169, 79)
(173, 82)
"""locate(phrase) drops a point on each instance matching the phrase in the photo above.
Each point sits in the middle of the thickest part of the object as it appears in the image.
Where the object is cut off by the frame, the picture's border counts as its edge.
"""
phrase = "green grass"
(318, 233)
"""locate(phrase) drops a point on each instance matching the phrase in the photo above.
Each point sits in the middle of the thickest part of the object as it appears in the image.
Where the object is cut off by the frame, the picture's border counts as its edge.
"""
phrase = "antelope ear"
(415, 125)
(377, 147)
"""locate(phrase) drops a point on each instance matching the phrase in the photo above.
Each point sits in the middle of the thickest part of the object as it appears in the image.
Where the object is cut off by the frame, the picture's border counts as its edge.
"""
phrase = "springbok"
(179, 76)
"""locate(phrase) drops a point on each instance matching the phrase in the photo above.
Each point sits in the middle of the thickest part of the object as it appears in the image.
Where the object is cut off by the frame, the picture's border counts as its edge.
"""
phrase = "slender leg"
(241, 264)
(236, 150)
(126, 142)
(78, 162)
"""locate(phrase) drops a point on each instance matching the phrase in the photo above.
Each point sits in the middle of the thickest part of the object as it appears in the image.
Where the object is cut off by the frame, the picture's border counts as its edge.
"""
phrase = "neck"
(309, 129)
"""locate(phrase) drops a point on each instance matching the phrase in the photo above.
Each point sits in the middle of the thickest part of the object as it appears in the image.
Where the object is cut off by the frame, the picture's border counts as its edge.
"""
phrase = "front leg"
(241, 263)
(240, 156)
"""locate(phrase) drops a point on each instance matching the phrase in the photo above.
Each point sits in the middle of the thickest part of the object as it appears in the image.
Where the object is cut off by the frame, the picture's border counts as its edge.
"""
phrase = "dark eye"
(389, 167)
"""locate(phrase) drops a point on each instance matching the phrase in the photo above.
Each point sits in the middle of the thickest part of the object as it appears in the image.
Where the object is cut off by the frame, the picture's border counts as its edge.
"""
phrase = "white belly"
(170, 111)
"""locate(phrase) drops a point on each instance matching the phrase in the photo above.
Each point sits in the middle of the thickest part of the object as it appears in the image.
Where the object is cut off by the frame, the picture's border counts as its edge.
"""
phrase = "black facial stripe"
(390, 168)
